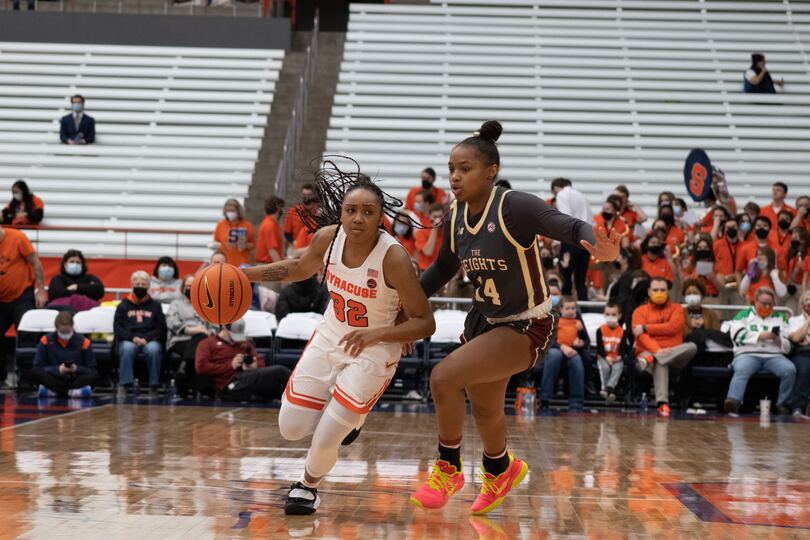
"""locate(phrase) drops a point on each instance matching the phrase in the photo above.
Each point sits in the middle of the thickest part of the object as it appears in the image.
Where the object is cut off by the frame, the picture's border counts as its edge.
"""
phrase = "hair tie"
(476, 133)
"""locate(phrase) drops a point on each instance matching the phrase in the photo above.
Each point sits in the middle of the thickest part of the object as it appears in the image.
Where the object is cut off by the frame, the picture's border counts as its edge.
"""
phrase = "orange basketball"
(221, 293)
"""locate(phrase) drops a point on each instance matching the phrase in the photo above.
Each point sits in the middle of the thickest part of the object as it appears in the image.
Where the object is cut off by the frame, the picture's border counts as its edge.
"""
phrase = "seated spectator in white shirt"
(165, 285)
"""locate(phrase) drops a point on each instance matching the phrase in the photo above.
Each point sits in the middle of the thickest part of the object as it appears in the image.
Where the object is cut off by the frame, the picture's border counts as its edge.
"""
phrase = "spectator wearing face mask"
(423, 200)
(656, 260)
(629, 263)
(428, 181)
(234, 235)
(762, 272)
(73, 287)
(404, 233)
(746, 225)
(609, 220)
(270, 247)
(674, 234)
(611, 347)
(799, 328)
(228, 362)
(780, 238)
(684, 217)
(569, 347)
(139, 326)
(760, 239)
(719, 217)
(308, 296)
(428, 241)
(186, 331)
(77, 127)
(25, 208)
(64, 364)
(701, 267)
(632, 213)
(658, 330)
(727, 252)
(802, 218)
(165, 285)
(695, 315)
(761, 341)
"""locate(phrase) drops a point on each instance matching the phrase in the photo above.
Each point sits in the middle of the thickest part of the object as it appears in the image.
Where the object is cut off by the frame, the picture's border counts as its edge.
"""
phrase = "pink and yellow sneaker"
(443, 481)
(495, 488)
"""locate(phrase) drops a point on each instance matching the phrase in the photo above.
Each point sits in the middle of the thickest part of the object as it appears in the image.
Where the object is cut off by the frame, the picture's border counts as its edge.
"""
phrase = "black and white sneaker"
(349, 439)
(301, 500)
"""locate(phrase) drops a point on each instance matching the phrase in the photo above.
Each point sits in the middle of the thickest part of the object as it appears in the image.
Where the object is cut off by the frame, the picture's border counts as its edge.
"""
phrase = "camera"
(248, 360)
(775, 330)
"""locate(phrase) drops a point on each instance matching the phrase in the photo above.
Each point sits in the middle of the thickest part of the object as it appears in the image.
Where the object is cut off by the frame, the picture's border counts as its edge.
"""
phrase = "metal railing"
(292, 139)
(115, 236)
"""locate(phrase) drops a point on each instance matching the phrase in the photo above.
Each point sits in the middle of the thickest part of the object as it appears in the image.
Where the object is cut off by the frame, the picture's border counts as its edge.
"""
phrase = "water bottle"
(172, 390)
(528, 402)
(136, 388)
(642, 406)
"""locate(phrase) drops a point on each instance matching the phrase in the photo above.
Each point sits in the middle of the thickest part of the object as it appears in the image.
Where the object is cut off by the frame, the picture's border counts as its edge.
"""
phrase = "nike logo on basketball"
(210, 301)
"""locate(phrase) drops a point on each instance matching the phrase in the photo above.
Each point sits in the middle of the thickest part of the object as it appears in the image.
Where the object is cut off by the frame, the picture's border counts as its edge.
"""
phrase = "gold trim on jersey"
(474, 230)
(521, 251)
(453, 227)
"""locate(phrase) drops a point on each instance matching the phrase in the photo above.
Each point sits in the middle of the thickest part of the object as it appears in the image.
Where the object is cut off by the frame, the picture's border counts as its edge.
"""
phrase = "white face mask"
(400, 229)
(692, 300)
(17, 195)
(65, 336)
(231, 215)
(612, 321)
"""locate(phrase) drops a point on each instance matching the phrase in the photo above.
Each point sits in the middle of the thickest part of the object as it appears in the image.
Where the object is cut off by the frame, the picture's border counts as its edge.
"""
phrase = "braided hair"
(332, 185)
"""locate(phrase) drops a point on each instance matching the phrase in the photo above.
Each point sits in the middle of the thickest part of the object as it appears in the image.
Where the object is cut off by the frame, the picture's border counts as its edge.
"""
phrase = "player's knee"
(292, 426)
(443, 381)
(486, 416)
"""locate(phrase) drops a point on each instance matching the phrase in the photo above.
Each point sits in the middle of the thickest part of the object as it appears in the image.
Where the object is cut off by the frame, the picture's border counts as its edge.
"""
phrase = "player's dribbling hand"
(607, 246)
(357, 340)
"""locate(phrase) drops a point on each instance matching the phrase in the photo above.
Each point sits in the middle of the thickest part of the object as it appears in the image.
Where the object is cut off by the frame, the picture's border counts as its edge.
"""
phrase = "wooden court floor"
(140, 471)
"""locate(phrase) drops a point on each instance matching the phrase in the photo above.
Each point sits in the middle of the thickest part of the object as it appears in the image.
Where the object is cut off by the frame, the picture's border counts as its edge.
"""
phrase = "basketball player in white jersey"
(354, 352)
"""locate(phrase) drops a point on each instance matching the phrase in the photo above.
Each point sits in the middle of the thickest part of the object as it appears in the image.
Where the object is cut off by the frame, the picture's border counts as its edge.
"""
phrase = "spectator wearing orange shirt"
(609, 220)
(802, 218)
(655, 259)
(569, 346)
(727, 249)
(234, 235)
(20, 272)
(25, 208)
(798, 266)
(658, 331)
(631, 212)
(719, 217)
(760, 239)
(304, 236)
(270, 245)
(292, 219)
(675, 235)
(429, 240)
(701, 266)
(780, 238)
(779, 191)
(746, 224)
(428, 179)
(762, 272)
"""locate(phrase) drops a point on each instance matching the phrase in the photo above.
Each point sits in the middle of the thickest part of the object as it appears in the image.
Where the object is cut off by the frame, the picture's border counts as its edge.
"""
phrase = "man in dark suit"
(77, 127)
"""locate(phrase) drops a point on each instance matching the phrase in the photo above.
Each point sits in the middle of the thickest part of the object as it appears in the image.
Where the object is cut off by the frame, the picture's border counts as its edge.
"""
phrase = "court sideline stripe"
(71, 413)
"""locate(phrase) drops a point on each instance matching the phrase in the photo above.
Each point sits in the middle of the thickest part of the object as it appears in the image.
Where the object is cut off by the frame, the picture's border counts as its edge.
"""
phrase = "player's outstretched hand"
(357, 340)
(606, 248)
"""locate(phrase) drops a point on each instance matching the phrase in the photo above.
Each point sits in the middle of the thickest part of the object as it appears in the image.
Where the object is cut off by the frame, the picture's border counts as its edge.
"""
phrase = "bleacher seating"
(178, 132)
(600, 91)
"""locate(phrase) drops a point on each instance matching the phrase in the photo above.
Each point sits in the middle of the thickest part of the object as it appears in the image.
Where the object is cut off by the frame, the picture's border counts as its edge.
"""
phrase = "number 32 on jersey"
(352, 312)
(488, 289)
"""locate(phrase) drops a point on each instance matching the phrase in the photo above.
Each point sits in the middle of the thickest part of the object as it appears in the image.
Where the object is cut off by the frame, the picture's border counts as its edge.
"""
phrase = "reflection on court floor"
(103, 470)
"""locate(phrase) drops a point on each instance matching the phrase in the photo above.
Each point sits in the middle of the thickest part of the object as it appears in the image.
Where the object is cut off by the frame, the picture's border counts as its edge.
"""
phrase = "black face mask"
(140, 292)
(794, 244)
(762, 234)
(187, 292)
(548, 262)
(703, 254)
(731, 233)
(783, 224)
(607, 216)
(655, 250)
(427, 184)
(669, 219)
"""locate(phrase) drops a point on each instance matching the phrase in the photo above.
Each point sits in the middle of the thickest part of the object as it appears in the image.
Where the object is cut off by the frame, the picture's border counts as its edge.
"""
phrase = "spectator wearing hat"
(64, 364)
(228, 362)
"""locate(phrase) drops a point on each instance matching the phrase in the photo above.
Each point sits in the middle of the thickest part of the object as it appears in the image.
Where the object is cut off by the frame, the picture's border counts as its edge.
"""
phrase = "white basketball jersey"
(359, 296)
